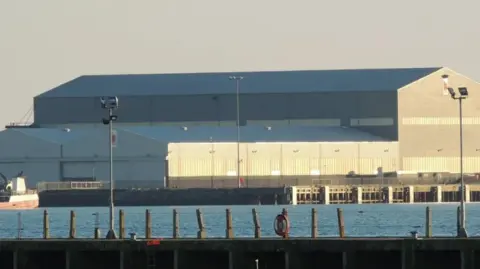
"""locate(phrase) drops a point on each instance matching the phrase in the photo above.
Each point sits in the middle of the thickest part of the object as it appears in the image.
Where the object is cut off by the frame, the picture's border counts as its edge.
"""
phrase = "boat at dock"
(14, 194)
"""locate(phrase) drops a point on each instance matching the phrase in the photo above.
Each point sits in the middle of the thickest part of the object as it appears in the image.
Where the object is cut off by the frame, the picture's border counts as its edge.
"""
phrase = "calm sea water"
(360, 220)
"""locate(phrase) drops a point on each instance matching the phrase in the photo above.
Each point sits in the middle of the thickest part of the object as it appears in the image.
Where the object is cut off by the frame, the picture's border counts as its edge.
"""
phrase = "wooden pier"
(283, 252)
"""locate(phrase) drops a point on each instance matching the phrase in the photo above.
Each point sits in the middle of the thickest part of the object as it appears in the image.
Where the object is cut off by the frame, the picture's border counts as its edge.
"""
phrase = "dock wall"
(392, 253)
(373, 194)
(282, 252)
(164, 197)
(307, 194)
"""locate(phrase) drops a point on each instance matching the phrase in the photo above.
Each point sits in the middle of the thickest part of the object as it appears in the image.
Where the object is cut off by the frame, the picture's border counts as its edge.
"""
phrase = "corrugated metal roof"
(253, 134)
(254, 82)
(54, 135)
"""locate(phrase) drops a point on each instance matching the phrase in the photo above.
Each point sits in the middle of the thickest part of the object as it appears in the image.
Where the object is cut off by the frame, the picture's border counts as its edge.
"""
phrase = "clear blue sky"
(45, 43)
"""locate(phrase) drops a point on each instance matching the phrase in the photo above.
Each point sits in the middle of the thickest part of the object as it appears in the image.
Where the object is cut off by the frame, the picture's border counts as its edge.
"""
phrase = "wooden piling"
(428, 223)
(148, 224)
(96, 231)
(73, 225)
(341, 223)
(201, 227)
(121, 224)
(256, 223)
(229, 229)
(46, 225)
(176, 224)
(459, 219)
(314, 223)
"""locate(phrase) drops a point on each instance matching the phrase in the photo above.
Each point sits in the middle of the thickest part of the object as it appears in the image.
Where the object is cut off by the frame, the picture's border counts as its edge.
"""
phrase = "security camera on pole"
(110, 103)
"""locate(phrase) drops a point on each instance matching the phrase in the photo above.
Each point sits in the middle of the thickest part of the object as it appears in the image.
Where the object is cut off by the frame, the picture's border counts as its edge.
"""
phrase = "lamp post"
(237, 81)
(110, 103)
(463, 94)
(212, 160)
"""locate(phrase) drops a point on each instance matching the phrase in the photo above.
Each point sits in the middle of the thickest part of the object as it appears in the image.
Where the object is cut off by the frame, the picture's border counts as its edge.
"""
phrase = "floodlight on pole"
(463, 91)
(237, 82)
(463, 94)
(452, 92)
(110, 103)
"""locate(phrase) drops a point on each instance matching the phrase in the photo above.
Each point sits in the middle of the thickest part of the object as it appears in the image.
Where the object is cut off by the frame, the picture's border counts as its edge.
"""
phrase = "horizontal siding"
(440, 121)
(277, 159)
(441, 164)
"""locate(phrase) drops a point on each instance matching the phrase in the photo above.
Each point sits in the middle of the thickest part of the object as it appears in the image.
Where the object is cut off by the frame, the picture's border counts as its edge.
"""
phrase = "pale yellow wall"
(267, 159)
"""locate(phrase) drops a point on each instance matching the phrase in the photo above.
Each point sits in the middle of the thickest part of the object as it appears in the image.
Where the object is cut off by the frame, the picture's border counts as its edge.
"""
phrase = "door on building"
(84, 171)
(95, 171)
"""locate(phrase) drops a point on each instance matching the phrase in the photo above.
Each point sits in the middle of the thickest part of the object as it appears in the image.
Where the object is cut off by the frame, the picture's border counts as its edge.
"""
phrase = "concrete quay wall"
(373, 194)
(163, 197)
(301, 253)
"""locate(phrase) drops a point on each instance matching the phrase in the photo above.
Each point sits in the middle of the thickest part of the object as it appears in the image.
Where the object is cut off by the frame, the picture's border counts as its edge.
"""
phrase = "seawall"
(282, 252)
(310, 194)
(163, 197)
(332, 253)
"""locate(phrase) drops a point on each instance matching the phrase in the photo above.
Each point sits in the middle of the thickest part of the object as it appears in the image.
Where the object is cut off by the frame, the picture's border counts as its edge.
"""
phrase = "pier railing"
(72, 185)
(177, 224)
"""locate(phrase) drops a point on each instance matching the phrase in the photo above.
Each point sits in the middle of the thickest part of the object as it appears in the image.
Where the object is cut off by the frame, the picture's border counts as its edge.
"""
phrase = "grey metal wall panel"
(211, 108)
(97, 169)
(88, 110)
(346, 106)
(128, 145)
(67, 110)
(35, 171)
(266, 106)
(151, 170)
(124, 171)
(131, 109)
(16, 145)
(253, 133)
(85, 169)
(183, 108)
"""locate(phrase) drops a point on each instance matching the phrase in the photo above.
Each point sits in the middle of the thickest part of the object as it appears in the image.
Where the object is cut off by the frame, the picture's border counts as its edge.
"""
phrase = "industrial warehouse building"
(293, 124)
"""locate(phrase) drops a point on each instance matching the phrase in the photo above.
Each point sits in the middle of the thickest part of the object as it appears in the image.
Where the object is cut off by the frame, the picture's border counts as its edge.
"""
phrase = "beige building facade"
(204, 160)
(429, 129)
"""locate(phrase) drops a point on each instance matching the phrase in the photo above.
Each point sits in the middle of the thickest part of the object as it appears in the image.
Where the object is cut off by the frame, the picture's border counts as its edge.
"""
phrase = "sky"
(46, 43)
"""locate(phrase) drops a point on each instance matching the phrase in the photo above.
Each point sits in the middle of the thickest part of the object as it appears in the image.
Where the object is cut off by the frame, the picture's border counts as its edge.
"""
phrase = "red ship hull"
(20, 202)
